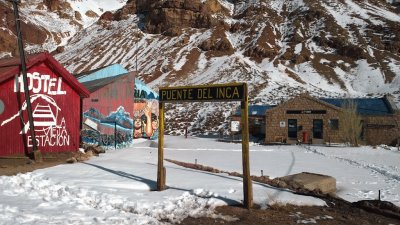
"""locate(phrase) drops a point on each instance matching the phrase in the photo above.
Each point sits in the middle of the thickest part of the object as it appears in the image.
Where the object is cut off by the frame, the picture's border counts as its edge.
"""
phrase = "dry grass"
(350, 123)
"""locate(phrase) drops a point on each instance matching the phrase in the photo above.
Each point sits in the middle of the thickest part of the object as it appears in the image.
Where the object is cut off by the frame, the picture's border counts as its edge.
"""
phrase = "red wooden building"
(109, 109)
(56, 98)
(109, 94)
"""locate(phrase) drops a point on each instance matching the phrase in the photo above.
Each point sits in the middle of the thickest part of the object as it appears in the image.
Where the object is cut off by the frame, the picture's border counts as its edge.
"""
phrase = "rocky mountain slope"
(48, 24)
(330, 48)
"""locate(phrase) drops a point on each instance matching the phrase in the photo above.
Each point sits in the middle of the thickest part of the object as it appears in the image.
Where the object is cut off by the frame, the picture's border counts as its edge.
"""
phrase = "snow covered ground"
(117, 187)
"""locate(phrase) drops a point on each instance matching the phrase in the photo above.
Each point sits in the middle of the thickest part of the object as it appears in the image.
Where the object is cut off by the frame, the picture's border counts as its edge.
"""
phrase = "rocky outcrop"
(52, 5)
(31, 33)
(128, 9)
(90, 13)
(7, 40)
(170, 16)
(264, 46)
(218, 43)
(78, 16)
(57, 5)
(89, 151)
(107, 16)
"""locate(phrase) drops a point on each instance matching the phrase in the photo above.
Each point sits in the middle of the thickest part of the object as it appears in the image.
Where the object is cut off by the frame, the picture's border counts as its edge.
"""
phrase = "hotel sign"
(220, 92)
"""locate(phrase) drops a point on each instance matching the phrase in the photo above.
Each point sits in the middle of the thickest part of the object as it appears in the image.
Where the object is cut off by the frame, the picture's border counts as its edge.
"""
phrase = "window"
(1, 107)
(292, 128)
(318, 129)
(334, 124)
(362, 133)
(94, 100)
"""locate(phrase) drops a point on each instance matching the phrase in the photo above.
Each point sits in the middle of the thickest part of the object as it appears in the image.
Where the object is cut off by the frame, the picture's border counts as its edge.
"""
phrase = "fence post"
(398, 144)
(161, 173)
(115, 135)
(247, 182)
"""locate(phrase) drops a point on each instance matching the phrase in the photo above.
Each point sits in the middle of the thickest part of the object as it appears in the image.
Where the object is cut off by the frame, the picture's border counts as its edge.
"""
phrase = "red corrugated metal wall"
(109, 98)
(56, 112)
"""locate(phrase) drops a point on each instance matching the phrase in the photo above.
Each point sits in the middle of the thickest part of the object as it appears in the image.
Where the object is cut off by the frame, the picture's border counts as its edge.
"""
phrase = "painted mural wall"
(107, 130)
(55, 107)
(145, 112)
(107, 114)
(127, 104)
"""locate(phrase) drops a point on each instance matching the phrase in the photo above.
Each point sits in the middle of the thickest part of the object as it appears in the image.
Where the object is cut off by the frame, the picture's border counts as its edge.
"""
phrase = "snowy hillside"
(49, 24)
(281, 48)
(278, 54)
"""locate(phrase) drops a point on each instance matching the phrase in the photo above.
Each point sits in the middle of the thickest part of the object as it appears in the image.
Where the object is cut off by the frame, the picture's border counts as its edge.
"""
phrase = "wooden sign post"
(247, 185)
(160, 165)
(208, 93)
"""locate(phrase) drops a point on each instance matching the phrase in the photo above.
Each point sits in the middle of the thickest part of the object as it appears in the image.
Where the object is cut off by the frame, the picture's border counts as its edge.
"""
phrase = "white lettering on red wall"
(50, 126)
(51, 136)
(40, 84)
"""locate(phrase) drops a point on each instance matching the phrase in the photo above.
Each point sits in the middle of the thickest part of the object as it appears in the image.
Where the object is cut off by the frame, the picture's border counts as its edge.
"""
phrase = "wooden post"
(398, 144)
(247, 184)
(37, 156)
(160, 165)
(80, 120)
(115, 134)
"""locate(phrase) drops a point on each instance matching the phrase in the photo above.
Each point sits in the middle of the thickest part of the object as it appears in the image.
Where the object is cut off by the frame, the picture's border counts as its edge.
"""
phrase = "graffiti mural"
(92, 136)
(50, 128)
(102, 129)
(136, 115)
(109, 109)
(145, 112)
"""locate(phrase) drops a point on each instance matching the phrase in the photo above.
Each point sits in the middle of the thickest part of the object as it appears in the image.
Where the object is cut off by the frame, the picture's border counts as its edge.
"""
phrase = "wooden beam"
(247, 184)
(160, 165)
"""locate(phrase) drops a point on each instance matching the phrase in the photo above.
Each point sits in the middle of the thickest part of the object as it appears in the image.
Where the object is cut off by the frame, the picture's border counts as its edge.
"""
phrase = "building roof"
(11, 66)
(256, 110)
(100, 73)
(97, 84)
(365, 106)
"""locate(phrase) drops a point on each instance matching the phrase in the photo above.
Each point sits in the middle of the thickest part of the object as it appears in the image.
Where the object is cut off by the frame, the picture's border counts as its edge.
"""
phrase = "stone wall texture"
(277, 121)
(382, 130)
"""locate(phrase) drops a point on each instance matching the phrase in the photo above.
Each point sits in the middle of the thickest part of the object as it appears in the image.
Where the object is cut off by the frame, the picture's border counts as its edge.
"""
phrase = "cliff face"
(283, 47)
(30, 32)
(169, 17)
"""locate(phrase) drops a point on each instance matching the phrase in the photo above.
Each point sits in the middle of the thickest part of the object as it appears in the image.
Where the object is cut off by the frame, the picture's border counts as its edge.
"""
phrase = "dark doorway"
(292, 128)
(318, 129)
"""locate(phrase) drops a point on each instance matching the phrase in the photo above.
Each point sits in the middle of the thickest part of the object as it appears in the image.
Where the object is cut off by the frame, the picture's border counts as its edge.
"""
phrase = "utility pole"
(137, 52)
(36, 153)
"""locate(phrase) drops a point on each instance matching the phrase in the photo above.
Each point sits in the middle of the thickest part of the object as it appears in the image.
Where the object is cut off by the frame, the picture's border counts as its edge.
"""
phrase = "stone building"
(317, 121)
(256, 119)
(380, 119)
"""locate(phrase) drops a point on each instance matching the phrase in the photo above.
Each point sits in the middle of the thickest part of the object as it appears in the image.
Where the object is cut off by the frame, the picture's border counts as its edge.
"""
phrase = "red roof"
(11, 67)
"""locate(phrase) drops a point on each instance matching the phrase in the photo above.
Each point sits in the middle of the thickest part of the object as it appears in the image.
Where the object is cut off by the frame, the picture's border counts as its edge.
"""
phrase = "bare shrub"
(350, 121)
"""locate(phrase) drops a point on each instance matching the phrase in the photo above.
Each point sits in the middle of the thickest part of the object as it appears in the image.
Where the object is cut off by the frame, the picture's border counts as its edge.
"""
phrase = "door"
(318, 129)
(292, 128)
